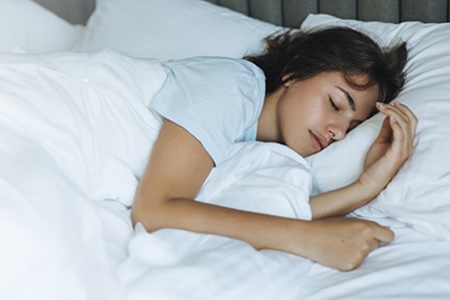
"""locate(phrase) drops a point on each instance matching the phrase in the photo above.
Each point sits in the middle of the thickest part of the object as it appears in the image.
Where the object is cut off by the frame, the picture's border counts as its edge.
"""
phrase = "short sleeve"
(218, 100)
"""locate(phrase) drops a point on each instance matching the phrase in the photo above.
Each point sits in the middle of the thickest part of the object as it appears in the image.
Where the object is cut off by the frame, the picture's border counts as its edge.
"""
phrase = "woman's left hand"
(391, 148)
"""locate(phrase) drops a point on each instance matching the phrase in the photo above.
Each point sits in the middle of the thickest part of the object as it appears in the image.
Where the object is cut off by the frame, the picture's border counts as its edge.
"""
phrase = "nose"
(337, 131)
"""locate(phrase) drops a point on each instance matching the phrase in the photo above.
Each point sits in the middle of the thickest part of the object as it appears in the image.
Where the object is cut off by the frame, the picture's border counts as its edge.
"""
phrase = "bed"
(76, 79)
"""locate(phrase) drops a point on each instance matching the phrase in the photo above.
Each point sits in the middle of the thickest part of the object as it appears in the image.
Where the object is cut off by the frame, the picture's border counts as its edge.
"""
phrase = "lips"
(318, 141)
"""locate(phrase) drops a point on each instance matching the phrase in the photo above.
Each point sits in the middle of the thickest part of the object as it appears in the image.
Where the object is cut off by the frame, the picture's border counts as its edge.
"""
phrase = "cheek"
(289, 109)
(320, 113)
(300, 109)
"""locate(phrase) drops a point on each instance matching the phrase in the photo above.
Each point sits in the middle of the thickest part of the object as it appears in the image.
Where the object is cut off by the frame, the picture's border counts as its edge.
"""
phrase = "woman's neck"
(268, 125)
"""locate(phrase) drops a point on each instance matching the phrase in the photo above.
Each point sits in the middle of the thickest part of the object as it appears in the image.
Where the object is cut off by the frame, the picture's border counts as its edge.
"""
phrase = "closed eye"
(333, 105)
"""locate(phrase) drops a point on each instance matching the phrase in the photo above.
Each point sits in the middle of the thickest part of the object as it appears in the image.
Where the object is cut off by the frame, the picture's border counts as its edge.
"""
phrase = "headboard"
(74, 11)
(291, 13)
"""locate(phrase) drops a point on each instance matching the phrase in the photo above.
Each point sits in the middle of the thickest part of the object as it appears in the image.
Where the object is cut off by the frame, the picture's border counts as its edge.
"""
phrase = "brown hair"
(296, 54)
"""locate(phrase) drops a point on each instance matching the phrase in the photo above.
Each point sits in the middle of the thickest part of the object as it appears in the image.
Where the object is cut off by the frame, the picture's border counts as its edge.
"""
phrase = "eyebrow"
(350, 100)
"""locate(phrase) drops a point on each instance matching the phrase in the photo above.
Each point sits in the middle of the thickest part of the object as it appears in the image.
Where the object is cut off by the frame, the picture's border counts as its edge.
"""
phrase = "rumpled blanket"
(76, 132)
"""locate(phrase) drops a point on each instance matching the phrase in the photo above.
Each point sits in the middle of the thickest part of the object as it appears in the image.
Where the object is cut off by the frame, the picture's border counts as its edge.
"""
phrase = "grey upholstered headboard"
(292, 12)
(74, 11)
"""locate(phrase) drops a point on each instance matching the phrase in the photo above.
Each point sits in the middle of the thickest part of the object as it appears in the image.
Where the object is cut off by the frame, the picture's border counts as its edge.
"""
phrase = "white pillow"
(171, 29)
(25, 26)
(420, 193)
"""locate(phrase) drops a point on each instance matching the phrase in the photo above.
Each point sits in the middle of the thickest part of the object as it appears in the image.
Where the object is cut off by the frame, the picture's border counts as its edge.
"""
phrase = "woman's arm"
(177, 168)
(387, 154)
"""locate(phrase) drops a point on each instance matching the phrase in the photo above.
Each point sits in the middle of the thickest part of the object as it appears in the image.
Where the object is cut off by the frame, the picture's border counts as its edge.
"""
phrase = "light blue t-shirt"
(218, 100)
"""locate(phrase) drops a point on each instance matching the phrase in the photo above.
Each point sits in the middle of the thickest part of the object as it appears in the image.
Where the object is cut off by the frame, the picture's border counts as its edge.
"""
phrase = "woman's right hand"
(391, 149)
(385, 157)
(342, 243)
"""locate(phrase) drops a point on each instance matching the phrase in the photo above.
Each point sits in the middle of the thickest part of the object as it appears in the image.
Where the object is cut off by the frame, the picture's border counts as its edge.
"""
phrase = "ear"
(287, 81)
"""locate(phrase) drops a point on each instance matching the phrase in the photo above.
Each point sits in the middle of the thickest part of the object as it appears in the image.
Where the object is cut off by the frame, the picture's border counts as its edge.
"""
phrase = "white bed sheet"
(66, 187)
(413, 266)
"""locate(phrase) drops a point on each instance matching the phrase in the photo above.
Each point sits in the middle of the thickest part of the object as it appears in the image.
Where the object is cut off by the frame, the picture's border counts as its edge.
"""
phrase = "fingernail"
(393, 119)
(380, 104)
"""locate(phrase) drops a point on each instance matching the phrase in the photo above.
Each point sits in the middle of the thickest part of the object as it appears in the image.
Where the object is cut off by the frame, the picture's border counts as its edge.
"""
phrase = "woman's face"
(315, 112)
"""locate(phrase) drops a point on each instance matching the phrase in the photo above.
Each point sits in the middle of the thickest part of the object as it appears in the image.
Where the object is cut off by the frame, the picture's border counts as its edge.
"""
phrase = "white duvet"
(75, 136)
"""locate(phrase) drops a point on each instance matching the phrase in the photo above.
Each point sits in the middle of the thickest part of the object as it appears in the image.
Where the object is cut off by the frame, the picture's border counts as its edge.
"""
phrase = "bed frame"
(291, 13)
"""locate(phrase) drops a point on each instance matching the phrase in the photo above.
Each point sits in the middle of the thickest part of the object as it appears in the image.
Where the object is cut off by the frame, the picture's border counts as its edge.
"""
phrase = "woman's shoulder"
(212, 64)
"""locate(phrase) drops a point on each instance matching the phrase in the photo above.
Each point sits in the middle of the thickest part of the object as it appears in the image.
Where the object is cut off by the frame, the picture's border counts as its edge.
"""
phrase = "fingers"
(400, 113)
(407, 121)
(378, 233)
(385, 134)
(384, 234)
(408, 115)
(403, 123)
(344, 243)
(372, 245)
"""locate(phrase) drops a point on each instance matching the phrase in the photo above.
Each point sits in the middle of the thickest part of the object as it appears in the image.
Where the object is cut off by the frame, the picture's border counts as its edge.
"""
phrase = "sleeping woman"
(306, 91)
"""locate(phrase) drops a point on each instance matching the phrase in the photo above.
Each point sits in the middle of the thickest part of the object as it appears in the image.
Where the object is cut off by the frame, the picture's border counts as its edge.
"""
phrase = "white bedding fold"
(177, 264)
(88, 111)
